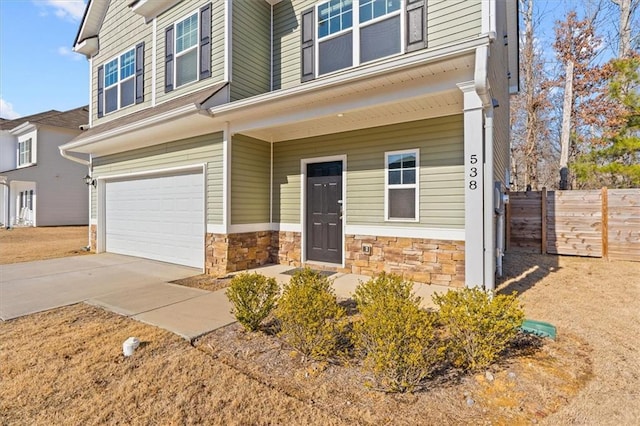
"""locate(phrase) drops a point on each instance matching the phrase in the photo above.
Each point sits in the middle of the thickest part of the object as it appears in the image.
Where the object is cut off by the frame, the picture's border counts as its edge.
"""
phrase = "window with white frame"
(119, 81)
(25, 152)
(186, 43)
(402, 185)
(353, 32)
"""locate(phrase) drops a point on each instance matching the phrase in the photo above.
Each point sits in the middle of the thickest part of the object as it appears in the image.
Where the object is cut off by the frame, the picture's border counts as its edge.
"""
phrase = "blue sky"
(38, 69)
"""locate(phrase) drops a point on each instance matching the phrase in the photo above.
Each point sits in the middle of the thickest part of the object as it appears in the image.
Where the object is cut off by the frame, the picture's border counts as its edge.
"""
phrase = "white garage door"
(160, 218)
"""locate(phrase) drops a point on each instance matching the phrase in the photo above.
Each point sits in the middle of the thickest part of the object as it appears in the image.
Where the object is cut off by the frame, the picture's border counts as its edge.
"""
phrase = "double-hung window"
(25, 152)
(187, 50)
(119, 81)
(353, 32)
(402, 185)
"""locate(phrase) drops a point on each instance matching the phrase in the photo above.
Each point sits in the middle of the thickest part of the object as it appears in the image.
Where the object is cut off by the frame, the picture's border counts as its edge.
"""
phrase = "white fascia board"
(176, 113)
(23, 128)
(150, 9)
(88, 47)
(394, 64)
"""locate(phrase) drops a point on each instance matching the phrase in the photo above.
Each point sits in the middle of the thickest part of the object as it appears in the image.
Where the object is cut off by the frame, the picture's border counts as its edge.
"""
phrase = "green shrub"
(478, 327)
(311, 321)
(397, 338)
(253, 297)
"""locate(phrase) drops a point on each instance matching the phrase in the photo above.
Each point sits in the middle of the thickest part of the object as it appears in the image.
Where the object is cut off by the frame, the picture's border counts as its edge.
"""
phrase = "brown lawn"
(66, 366)
(27, 244)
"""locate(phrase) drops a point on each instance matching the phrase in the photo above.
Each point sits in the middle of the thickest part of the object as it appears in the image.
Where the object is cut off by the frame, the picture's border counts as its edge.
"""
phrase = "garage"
(157, 217)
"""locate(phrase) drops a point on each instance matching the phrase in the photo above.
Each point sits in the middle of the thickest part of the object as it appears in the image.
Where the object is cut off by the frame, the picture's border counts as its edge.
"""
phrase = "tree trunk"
(624, 48)
(531, 106)
(567, 109)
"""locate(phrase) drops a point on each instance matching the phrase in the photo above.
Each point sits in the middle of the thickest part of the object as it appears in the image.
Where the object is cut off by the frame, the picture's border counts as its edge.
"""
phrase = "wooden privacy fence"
(597, 223)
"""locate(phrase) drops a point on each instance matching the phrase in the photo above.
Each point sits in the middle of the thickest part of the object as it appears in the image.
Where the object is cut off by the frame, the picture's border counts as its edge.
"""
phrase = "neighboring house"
(360, 136)
(39, 187)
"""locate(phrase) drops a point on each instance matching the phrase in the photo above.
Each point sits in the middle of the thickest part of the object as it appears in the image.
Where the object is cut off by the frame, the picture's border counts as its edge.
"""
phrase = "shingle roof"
(71, 119)
(197, 98)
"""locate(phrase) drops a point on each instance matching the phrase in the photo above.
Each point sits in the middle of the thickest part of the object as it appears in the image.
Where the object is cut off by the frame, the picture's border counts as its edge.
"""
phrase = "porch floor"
(345, 284)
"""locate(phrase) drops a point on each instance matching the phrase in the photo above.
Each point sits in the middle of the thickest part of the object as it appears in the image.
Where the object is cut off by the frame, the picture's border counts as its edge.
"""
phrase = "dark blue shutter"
(308, 42)
(416, 11)
(205, 42)
(100, 90)
(168, 59)
(140, 73)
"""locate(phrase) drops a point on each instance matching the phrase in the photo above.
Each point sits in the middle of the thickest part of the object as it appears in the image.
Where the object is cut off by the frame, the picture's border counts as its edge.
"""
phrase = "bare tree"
(530, 132)
(576, 47)
(627, 11)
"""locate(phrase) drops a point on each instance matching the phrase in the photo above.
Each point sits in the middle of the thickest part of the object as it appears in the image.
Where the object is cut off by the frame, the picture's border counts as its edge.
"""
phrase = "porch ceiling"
(422, 92)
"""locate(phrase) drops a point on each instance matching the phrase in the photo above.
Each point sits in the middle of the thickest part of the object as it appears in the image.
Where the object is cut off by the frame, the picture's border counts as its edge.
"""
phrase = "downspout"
(271, 54)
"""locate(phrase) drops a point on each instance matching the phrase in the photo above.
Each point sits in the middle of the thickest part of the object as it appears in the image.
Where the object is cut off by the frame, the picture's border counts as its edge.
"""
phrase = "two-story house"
(39, 187)
(359, 135)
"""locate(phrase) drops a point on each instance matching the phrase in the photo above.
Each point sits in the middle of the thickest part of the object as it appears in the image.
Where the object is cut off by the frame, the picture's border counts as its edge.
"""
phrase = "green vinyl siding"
(251, 49)
(250, 176)
(440, 142)
(286, 42)
(113, 42)
(448, 21)
(198, 150)
(180, 11)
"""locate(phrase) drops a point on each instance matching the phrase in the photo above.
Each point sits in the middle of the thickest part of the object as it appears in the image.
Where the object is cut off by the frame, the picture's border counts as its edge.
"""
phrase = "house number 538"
(473, 184)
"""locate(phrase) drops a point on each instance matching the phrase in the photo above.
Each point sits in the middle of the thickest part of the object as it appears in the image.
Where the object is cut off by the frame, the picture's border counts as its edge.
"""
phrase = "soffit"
(421, 92)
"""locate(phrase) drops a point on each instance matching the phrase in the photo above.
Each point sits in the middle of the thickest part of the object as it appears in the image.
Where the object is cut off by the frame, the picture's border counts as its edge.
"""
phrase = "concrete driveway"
(130, 286)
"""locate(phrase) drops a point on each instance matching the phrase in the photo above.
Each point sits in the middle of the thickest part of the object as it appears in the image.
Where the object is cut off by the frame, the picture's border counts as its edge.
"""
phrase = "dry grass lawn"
(28, 244)
(66, 367)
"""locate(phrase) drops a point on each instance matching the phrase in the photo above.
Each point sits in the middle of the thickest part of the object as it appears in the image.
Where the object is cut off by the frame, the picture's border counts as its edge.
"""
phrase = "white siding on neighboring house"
(8, 146)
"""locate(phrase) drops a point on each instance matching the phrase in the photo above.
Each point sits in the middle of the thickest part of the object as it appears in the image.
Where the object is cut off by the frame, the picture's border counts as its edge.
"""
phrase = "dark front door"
(324, 212)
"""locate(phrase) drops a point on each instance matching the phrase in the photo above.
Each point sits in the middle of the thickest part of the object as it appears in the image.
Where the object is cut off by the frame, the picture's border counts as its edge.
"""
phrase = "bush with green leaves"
(311, 320)
(478, 327)
(253, 297)
(396, 337)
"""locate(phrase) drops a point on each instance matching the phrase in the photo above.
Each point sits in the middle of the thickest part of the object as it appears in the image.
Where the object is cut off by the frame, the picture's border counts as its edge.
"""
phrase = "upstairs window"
(188, 49)
(349, 35)
(401, 185)
(25, 153)
(121, 81)
(339, 34)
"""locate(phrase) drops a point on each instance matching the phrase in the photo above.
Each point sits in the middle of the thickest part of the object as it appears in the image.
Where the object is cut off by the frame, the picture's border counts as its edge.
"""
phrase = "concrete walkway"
(138, 288)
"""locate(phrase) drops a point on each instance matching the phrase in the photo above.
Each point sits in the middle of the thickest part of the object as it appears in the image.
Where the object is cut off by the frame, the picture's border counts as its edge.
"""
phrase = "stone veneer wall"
(237, 252)
(421, 260)
(286, 248)
(93, 237)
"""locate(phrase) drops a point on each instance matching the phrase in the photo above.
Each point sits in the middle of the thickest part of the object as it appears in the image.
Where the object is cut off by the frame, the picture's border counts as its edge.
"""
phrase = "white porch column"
(474, 186)
(226, 177)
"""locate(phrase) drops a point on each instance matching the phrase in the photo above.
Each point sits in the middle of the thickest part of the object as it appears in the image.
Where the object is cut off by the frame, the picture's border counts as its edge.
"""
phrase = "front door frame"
(303, 204)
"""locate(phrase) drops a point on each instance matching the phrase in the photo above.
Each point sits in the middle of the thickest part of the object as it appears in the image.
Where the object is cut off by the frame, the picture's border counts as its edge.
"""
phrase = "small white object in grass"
(130, 345)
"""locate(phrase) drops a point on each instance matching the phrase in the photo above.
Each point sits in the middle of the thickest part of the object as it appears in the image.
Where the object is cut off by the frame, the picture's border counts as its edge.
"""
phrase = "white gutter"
(169, 115)
(66, 155)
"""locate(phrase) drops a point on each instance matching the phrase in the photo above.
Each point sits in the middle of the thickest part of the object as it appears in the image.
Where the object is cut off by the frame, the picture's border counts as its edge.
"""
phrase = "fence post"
(543, 231)
(605, 223)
